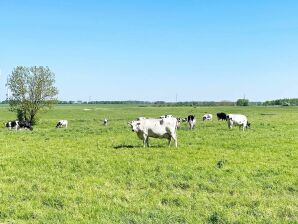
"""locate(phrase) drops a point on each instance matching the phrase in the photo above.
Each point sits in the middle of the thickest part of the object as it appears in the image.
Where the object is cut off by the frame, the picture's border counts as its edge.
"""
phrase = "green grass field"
(89, 173)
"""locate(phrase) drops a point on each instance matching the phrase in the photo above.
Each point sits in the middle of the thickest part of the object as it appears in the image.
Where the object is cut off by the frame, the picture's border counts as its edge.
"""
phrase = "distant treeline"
(161, 103)
(279, 102)
(282, 102)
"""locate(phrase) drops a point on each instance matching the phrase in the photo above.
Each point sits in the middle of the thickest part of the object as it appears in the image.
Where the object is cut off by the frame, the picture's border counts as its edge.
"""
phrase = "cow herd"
(166, 125)
(163, 127)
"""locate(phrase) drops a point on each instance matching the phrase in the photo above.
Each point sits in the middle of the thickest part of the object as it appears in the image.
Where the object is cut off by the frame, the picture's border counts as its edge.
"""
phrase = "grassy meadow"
(89, 173)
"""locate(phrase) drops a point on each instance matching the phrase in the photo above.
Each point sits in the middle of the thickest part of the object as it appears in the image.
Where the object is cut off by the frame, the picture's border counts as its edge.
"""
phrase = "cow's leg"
(147, 142)
(230, 124)
(169, 141)
(174, 136)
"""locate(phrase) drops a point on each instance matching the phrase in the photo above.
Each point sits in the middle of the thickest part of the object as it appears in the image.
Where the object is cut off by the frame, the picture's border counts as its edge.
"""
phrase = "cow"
(207, 117)
(18, 125)
(155, 128)
(237, 120)
(62, 123)
(178, 119)
(166, 116)
(105, 122)
(25, 125)
(221, 116)
(12, 124)
(191, 119)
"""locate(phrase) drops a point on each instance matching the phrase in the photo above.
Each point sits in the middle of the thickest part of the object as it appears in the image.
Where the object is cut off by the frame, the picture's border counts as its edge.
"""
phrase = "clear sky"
(153, 50)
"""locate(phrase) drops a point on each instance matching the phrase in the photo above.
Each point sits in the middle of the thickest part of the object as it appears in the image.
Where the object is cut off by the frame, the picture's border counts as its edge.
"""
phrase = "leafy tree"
(32, 91)
(242, 102)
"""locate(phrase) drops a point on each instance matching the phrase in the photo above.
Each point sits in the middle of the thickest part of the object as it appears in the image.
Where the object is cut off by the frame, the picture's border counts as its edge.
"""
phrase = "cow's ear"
(129, 123)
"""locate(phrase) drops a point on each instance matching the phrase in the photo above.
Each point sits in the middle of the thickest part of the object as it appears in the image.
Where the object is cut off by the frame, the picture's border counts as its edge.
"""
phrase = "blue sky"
(153, 50)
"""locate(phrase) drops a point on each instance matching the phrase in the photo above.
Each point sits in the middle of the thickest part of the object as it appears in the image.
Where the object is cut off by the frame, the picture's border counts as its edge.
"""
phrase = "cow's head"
(58, 125)
(248, 125)
(135, 125)
(178, 122)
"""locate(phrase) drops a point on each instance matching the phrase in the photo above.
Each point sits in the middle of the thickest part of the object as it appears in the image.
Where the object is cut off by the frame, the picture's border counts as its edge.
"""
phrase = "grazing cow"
(238, 120)
(207, 117)
(221, 116)
(178, 119)
(166, 116)
(155, 128)
(105, 122)
(62, 123)
(12, 124)
(191, 119)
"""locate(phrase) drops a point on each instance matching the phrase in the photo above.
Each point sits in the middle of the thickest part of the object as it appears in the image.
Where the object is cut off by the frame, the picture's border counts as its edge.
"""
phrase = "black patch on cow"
(190, 118)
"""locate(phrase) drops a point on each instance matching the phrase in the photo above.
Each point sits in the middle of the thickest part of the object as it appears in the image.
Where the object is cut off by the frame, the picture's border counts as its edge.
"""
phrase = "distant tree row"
(282, 102)
(163, 103)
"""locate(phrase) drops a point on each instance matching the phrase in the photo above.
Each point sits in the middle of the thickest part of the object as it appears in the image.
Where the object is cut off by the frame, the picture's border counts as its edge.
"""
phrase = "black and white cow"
(12, 125)
(62, 123)
(18, 125)
(191, 119)
(105, 122)
(221, 116)
(207, 117)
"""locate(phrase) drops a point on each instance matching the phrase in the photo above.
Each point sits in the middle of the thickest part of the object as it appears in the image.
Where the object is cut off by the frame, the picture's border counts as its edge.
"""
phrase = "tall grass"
(89, 173)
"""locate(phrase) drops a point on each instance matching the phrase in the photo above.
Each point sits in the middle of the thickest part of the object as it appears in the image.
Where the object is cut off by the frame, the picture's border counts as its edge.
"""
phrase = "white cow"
(62, 123)
(178, 119)
(207, 117)
(237, 120)
(155, 128)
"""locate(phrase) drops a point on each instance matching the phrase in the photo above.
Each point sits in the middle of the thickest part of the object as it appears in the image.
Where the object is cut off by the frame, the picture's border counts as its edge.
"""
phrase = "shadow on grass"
(139, 146)
(125, 147)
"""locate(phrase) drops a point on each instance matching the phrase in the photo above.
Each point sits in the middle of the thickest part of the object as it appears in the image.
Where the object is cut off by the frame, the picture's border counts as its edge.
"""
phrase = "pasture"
(89, 173)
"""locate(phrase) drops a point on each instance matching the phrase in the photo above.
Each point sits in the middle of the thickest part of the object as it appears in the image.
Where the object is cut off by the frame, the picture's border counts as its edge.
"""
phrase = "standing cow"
(221, 116)
(155, 128)
(238, 120)
(191, 119)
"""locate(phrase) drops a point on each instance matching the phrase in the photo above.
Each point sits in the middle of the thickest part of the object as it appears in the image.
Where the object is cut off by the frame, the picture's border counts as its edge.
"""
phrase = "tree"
(242, 102)
(32, 91)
